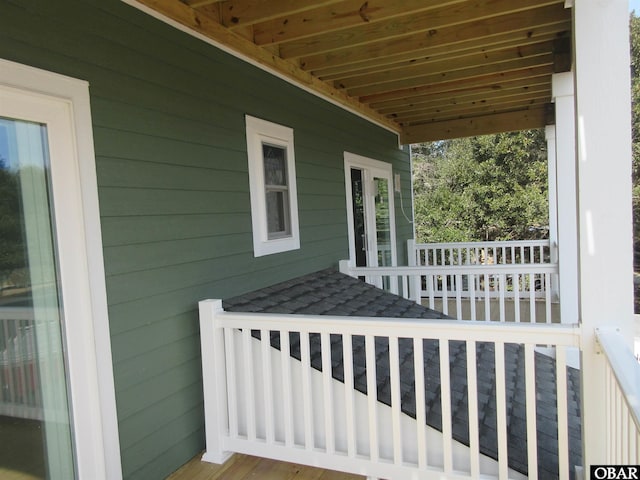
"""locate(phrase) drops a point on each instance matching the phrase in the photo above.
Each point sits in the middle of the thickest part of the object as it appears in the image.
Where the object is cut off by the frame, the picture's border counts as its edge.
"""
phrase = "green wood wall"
(168, 120)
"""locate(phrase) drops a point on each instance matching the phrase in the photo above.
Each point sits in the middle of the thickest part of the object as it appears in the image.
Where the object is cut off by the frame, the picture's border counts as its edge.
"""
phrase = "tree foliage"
(634, 40)
(492, 187)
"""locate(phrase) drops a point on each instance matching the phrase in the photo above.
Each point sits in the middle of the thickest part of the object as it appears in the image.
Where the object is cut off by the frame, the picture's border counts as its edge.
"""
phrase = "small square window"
(274, 206)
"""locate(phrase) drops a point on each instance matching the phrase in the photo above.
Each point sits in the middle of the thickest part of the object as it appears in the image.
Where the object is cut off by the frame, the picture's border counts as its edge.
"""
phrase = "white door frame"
(372, 168)
(62, 103)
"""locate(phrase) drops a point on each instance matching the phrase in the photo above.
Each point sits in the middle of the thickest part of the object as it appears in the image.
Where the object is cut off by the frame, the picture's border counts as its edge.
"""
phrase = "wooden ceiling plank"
(347, 14)
(464, 110)
(427, 24)
(478, 112)
(210, 28)
(482, 125)
(456, 75)
(473, 46)
(438, 101)
(520, 23)
(460, 90)
(201, 3)
(460, 85)
(238, 13)
(421, 69)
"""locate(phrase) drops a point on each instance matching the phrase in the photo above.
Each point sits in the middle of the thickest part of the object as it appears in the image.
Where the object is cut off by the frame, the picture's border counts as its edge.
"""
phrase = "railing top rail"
(480, 244)
(625, 368)
(555, 334)
(491, 269)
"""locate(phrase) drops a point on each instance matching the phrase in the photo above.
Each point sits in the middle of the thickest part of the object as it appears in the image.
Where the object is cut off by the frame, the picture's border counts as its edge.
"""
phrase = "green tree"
(11, 242)
(634, 40)
(492, 187)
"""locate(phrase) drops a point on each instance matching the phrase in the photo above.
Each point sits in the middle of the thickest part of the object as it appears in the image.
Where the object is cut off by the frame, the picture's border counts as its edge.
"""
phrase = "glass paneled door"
(370, 211)
(35, 427)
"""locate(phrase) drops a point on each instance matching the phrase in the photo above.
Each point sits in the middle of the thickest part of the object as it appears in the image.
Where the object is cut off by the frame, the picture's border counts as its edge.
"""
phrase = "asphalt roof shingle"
(331, 293)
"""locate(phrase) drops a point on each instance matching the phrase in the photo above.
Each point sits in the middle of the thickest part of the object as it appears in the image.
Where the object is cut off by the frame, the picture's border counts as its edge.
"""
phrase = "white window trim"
(32, 94)
(258, 132)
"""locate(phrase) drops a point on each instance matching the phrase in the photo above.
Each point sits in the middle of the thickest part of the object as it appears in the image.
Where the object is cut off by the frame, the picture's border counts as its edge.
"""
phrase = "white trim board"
(24, 91)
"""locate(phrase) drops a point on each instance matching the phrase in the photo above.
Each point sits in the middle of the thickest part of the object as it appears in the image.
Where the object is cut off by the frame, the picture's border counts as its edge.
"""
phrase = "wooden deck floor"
(245, 467)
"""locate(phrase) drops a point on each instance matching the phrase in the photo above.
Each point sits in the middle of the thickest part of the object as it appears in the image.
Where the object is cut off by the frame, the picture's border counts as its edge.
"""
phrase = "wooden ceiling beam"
(481, 125)
(345, 15)
(472, 73)
(469, 47)
(239, 13)
(453, 91)
(459, 85)
(441, 101)
(447, 65)
(519, 24)
(505, 14)
(517, 102)
(210, 28)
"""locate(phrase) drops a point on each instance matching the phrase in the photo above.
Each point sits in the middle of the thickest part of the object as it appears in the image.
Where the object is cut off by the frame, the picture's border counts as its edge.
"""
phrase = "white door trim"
(385, 170)
(63, 104)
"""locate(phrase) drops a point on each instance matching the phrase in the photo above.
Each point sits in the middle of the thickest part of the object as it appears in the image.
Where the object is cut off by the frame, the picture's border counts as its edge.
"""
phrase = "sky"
(634, 5)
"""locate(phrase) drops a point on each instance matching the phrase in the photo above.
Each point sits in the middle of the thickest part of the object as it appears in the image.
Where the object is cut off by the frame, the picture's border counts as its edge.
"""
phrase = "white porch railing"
(622, 385)
(510, 252)
(261, 401)
(19, 379)
(501, 292)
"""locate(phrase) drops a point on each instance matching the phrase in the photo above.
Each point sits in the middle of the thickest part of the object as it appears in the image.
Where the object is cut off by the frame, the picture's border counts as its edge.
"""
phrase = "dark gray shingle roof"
(331, 293)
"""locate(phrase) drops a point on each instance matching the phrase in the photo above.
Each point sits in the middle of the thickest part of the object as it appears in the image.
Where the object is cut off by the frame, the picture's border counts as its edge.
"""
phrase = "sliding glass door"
(35, 428)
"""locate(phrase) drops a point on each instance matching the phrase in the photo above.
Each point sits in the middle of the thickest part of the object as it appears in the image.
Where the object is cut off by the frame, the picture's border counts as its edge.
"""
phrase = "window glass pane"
(275, 164)
(34, 416)
(277, 213)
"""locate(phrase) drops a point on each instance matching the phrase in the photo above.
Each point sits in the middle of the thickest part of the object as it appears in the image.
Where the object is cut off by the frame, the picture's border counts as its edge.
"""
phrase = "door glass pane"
(35, 431)
(383, 223)
(358, 217)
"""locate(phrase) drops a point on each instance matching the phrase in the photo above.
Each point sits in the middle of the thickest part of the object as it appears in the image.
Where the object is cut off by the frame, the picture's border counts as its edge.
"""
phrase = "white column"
(550, 136)
(601, 30)
(562, 91)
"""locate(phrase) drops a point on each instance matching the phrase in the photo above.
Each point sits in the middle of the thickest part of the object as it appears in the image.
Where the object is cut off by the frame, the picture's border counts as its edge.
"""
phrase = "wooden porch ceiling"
(427, 69)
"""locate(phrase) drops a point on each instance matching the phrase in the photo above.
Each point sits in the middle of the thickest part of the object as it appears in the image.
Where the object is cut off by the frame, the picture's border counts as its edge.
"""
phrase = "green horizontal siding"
(168, 115)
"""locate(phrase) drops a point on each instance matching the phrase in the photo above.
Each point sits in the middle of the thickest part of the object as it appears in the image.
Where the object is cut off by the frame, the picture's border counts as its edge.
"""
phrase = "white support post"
(563, 96)
(602, 89)
(344, 266)
(213, 382)
(550, 135)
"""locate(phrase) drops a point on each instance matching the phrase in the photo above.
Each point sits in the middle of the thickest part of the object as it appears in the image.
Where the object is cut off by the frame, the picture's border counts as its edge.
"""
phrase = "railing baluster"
(501, 411)
(232, 403)
(267, 384)
(472, 401)
(445, 295)
(421, 412)
(249, 398)
(394, 379)
(327, 388)
(563, 417)
(285, 356)
(445, 406)
(307, 397)
(502, 286)
(516, 297)
(372, 397)
(487, 299)
(459, 297)
(530, 395)
(532, 298)
(472, 296)
(547, 297)
(349, 392)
